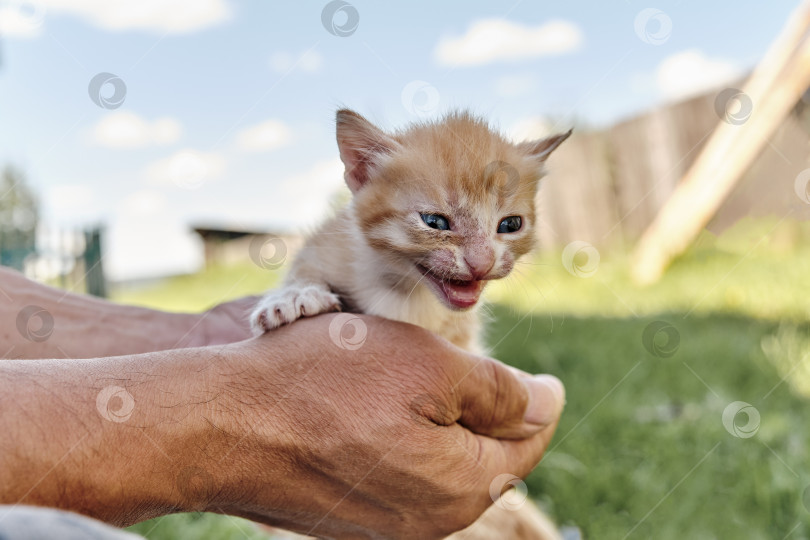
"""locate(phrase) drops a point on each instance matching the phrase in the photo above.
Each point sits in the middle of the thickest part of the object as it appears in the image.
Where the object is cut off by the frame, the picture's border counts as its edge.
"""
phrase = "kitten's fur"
(379, 257)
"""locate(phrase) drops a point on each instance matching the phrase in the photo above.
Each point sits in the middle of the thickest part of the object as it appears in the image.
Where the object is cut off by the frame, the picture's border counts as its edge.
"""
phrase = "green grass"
(642, 446)
(642, 450)
(198, 292)
(758, 268)
(199, 526)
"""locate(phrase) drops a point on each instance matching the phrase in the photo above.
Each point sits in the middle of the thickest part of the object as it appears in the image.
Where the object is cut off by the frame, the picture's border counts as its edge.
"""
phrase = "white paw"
(290, 303)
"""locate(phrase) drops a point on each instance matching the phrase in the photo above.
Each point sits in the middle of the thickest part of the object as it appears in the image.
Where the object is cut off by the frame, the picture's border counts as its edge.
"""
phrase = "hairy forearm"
(37, 321)
(121, 439)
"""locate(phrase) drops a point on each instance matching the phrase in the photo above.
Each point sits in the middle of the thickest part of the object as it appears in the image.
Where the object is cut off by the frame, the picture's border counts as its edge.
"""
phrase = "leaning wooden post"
(774, 88)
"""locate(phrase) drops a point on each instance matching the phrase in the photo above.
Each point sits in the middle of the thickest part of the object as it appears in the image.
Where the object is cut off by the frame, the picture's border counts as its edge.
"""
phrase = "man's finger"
(514, 457)
(493, 400)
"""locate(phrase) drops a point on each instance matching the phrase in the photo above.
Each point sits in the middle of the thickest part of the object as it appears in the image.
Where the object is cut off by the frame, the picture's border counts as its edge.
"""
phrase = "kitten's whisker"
(391, 289)
(430, 269)
(519, 273)
(528, 263)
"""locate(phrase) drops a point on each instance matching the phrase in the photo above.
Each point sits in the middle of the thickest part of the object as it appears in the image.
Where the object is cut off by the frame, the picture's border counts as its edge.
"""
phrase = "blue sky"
(228, 111)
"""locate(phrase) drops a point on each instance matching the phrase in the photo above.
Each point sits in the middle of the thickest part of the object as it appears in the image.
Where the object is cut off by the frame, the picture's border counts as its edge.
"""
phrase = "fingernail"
(546, 399)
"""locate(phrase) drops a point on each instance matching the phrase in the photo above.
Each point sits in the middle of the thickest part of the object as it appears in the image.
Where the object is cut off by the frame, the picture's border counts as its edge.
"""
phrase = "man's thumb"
(496, 401)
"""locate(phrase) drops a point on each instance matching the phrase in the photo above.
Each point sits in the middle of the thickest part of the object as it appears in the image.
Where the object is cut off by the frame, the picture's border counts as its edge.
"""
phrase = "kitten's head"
(449, 203)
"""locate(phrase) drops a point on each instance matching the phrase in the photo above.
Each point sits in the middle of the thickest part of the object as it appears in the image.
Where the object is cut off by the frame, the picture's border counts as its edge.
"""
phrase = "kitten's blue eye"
(435, 221)
(510, 224)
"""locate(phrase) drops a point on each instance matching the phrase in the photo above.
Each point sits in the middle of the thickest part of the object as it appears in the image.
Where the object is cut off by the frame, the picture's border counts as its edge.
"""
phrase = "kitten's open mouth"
(459, 294)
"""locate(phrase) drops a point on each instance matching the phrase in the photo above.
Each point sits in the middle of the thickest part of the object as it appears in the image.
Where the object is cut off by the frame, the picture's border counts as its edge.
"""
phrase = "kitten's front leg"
(295, 300)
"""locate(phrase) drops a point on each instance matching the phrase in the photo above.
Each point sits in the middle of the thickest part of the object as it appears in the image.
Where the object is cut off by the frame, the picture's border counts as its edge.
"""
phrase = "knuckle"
(510, 399)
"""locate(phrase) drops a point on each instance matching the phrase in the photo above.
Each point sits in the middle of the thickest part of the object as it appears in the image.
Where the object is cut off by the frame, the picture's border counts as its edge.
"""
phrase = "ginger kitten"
(438, 210)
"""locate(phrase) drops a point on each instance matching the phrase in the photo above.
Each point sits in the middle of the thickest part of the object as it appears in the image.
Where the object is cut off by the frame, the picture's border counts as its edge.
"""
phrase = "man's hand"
(339, 426)
(225, 323)
(393, 439)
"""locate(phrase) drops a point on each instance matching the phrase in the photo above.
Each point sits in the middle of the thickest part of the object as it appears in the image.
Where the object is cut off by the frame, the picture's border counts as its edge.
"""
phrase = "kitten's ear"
(543, 148)
(361, 144)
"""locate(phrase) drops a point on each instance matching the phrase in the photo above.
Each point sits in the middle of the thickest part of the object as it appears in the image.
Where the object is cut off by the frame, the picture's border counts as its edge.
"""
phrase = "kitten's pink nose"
(480, 262)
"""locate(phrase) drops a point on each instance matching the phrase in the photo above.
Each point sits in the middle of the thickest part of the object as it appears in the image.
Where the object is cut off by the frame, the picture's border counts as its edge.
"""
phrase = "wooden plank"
(576, 200)
(774, 88)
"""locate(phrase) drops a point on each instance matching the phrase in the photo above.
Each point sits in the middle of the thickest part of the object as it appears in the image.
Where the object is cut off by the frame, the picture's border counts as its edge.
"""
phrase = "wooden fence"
(605, 187)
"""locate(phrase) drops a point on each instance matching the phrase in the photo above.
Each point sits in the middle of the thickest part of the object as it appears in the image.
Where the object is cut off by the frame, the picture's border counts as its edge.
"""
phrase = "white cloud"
(493, 40)
(292, 202)
(268, 135)
(175, 17)
(71, 203)
(149, 235)
(691, 72)
(320, 177)
(187, 169)
(309, 61)
(147, 239)
(511, 86)
(143, 203)
(21, 19)
(304, 198)
(128, 130)
(530, 129)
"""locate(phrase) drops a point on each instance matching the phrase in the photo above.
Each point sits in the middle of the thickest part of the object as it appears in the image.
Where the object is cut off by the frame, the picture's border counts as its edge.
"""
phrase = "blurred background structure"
(173, 155)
